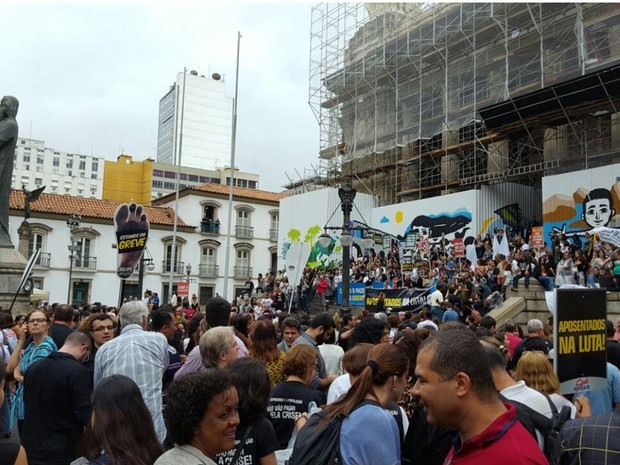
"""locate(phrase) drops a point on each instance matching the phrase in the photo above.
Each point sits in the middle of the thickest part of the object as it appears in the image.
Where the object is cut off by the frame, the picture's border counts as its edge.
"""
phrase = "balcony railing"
(43, 261)
(85, 263)
(244, 232)
(207, 271)
(273, 235)
(242, 271)
(209, 227)
(167, 266)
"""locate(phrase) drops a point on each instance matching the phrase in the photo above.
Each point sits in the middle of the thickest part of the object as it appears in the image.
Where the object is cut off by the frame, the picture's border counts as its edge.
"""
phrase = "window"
(192, 177)
(38, 182)
(157, 184)
(56, 161)
(35, 241)
(208, 256)
(82, 165)
(39, 159)
(93, 175)
(183, 176)
(204, 179)
(69, 163)
(26, 158)
(169, 185)
(275, 221)
(243, 259)
(158, 173)
(25, 179)
(243, 218)
(210, 222)
(94, 165)
(168, 265)
(170, 174)
(252, 184)
(93, 190)
(82, 255)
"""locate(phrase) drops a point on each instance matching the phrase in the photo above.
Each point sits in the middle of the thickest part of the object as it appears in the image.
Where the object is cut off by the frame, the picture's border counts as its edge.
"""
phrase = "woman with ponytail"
(369, 434)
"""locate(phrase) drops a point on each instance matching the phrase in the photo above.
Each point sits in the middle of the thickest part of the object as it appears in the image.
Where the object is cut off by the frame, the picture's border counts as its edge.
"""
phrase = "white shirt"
(533, 399)
(436, 298)
(332, 354)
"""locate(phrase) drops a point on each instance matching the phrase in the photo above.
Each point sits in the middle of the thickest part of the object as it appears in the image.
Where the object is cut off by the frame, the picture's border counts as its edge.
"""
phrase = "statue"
(30, 197)
(8, 140)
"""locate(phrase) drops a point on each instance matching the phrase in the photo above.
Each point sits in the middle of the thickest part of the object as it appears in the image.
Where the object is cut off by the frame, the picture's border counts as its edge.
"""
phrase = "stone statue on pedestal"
(8, 140)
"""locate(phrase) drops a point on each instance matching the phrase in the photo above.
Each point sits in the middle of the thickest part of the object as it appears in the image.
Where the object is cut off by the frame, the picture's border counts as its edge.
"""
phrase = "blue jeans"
(547, 282)
(437, 312)
(515, 279)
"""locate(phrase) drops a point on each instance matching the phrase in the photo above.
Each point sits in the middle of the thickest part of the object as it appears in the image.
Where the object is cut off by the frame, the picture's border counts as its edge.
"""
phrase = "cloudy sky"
(89, 76)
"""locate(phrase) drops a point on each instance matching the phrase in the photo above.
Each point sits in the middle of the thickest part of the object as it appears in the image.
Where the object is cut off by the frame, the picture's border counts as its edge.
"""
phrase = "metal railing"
(85, 263)
(167, 266)
(207, 270)
(273, 235)
(244, 232)
(209, 227)
(242, 271)
(44, 260)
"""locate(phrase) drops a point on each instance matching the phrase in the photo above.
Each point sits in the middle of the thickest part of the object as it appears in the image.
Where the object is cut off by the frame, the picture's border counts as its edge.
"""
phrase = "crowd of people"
(138, 386)
(236, 382)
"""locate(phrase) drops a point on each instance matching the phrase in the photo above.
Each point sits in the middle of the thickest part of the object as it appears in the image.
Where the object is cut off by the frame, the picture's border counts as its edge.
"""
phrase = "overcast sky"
(89, 76)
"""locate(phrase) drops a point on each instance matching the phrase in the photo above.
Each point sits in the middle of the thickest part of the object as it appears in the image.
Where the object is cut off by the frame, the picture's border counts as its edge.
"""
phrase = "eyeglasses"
(37, 320)
(103, 328)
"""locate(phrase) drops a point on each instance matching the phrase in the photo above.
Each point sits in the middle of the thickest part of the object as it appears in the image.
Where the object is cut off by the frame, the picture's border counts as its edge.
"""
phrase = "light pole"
(150, 266)
(73, 222)
(346, 195)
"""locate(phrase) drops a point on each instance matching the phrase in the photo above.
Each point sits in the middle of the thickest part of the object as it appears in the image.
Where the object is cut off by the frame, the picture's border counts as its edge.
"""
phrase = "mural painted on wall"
(586, 209)
(320, 257)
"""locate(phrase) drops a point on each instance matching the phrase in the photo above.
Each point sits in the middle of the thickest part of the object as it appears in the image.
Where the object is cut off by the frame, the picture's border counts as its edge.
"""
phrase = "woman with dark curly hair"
(256, 439)
(121, 429)
(201, 417)
(264, 348)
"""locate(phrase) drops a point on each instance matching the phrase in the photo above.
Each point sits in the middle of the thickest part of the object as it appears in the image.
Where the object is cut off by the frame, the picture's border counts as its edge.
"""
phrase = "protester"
(313, 336)
(264, 348)
(140, 355)
(218, 347)
(57, 392)
(62, 324)
(369, 434)
(41, 345)
(456, 388)
(293, 396)
(204, 427)
(291, 330)
(256, 441)
(120, 430)
(332, 354)
(11, 452)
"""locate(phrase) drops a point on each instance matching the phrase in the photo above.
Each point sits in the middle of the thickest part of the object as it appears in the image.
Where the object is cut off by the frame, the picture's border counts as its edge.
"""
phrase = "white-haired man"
(139, 354)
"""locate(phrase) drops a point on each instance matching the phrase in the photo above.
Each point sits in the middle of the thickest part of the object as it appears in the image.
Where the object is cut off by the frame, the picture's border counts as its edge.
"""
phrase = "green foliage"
(294, 235)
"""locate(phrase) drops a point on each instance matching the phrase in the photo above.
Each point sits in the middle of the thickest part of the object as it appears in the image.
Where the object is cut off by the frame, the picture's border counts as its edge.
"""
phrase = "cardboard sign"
(183, 289)
(132, 229)
(537, 237)
(459, 247)
(579, 340)
(387, 242)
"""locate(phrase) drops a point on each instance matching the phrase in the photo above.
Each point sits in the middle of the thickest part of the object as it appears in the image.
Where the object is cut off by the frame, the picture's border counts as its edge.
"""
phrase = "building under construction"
(415, 100)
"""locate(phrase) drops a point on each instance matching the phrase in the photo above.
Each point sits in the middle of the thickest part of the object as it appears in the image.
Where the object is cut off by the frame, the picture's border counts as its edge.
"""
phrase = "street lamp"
(188, 270)
(146, 261)
(346, 195)
(72, 223)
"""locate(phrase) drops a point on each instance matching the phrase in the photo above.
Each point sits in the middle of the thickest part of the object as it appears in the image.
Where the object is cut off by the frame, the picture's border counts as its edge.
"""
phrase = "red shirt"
(514, 342)
(321, 287)
(504, 441)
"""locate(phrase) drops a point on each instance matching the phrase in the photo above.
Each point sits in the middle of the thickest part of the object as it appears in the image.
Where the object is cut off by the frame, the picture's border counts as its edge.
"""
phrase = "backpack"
(549, 427)
(315, 446)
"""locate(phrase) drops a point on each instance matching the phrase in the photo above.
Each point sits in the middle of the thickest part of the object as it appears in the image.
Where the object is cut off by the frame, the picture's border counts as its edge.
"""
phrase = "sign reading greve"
(132, 229)
(579, 340)
(459, 247)
(403, 299)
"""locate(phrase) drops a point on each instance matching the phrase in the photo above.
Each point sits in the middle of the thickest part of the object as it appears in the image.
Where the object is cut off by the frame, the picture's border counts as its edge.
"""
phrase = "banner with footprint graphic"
(132, 230)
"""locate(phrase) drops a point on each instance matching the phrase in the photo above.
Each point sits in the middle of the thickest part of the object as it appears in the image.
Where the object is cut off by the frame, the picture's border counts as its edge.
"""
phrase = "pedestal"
(12, 265)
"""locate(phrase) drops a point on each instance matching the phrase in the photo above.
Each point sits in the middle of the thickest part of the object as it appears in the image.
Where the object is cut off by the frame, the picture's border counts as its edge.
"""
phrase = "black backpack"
(315, 446)
(549, 427)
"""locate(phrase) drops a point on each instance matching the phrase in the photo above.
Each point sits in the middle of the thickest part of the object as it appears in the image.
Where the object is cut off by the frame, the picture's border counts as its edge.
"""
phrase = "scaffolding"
(404, 94)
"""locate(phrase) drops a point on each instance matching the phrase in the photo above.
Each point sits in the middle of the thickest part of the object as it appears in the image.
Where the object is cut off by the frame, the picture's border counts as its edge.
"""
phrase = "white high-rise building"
(60, 172)
(205, 113)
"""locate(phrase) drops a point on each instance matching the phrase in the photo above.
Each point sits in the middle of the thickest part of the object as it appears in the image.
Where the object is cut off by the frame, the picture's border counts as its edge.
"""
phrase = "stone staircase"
(530, 303)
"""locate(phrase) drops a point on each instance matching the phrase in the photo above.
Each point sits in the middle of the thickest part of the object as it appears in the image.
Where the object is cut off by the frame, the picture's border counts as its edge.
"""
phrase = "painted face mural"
(597, 208)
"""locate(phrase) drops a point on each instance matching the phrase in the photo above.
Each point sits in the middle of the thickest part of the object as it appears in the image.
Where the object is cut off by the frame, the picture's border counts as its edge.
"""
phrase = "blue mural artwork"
(511, 217)
(452, 225)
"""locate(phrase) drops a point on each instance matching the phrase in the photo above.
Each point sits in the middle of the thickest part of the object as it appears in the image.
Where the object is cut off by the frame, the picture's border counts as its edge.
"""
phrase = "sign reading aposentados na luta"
(580, 341)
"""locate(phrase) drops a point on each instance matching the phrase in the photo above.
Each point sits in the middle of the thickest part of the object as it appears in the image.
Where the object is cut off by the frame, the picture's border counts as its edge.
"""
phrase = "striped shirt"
(143, 357)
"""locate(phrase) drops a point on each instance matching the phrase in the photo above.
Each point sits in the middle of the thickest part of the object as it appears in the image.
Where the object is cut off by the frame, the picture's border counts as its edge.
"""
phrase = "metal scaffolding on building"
(404, 94)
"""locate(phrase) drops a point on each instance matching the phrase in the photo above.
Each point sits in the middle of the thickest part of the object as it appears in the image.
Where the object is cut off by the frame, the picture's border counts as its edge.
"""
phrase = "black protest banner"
(579, 340)
(399, 299)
